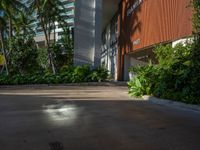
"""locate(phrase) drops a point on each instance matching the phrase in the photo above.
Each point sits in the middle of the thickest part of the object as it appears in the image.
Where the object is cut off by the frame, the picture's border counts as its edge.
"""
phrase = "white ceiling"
(110, 7)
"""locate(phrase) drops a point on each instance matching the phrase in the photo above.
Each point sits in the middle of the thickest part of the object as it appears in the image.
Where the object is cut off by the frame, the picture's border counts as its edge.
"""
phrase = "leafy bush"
(22, 54)
(142, 83)
(80, 74)
(98, 75)
(42, 58)
(174, 77)
(66, 75)
(60, 55)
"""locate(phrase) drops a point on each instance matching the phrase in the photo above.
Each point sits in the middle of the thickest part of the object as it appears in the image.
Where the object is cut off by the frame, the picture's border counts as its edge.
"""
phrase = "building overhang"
(110, 7)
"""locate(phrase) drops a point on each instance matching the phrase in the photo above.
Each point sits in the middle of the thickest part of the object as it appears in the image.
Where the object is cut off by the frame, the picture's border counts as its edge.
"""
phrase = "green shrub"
(143, 82)
(98, 75)
(22, 54)
(42, 58)
(174, 77)
(66, 75)
(80, 74)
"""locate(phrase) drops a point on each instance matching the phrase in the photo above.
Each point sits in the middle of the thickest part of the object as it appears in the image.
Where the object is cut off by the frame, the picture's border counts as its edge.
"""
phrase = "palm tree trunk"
(54, 32)
(10, 27)
(49, 30)
(4, 53)
(48, 46)
(46, 39)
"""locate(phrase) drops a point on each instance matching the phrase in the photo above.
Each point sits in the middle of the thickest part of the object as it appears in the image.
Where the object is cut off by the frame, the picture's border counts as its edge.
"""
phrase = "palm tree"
(48, 13)
(2, 30)
(36, 6)
(23, 23)
(55, 14)
(10, 7)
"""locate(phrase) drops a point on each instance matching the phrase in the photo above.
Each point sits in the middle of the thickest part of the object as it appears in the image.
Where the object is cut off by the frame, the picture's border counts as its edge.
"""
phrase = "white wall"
(182, 41)
(130, 61)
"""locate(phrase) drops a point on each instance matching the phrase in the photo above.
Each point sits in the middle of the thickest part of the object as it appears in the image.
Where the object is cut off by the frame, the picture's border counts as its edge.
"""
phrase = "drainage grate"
(56, 146)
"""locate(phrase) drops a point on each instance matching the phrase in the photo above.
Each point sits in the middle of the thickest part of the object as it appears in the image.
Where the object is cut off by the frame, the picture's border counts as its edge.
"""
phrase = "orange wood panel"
(152, 22)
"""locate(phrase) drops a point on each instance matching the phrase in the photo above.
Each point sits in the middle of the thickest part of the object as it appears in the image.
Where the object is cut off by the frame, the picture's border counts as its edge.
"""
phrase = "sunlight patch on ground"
(61, 115)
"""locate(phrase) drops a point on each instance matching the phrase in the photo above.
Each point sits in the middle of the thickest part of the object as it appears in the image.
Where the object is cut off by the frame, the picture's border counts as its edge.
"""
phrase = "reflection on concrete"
(31, 122)
(61, 114)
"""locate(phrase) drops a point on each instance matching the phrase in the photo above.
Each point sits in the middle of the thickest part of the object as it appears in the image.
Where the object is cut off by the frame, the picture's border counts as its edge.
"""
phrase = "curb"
(171, 103)
(68, 84)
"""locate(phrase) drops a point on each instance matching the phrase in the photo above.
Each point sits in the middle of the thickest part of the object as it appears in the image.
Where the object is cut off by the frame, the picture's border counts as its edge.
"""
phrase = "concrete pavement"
(91, 118)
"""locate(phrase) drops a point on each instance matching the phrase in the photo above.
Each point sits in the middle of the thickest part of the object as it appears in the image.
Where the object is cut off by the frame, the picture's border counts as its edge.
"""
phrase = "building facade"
(146, 23)
(122, 33)
(109, 54)
(87, 33)
(142, 24)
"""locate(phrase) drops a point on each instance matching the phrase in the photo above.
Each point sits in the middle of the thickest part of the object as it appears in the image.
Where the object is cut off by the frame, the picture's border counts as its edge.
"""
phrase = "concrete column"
(87, 33)
(98, 33)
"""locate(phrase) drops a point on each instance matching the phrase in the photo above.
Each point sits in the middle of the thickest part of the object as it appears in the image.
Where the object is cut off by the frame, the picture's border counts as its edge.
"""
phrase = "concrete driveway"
(91, 118)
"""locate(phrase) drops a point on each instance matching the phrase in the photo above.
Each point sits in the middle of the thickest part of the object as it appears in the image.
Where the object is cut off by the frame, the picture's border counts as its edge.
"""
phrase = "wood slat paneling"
(153, 22)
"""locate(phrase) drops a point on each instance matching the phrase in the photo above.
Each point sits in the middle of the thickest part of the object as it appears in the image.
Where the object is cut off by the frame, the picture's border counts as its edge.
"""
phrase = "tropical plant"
(23, 23)
(23, 54)
(66, 75)
(174, 77)
(67, 46)
(10, 8)
(99, 74)
(50, 14)
(2, 30)
(143, 82)
(196, 17)
(42, 58)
